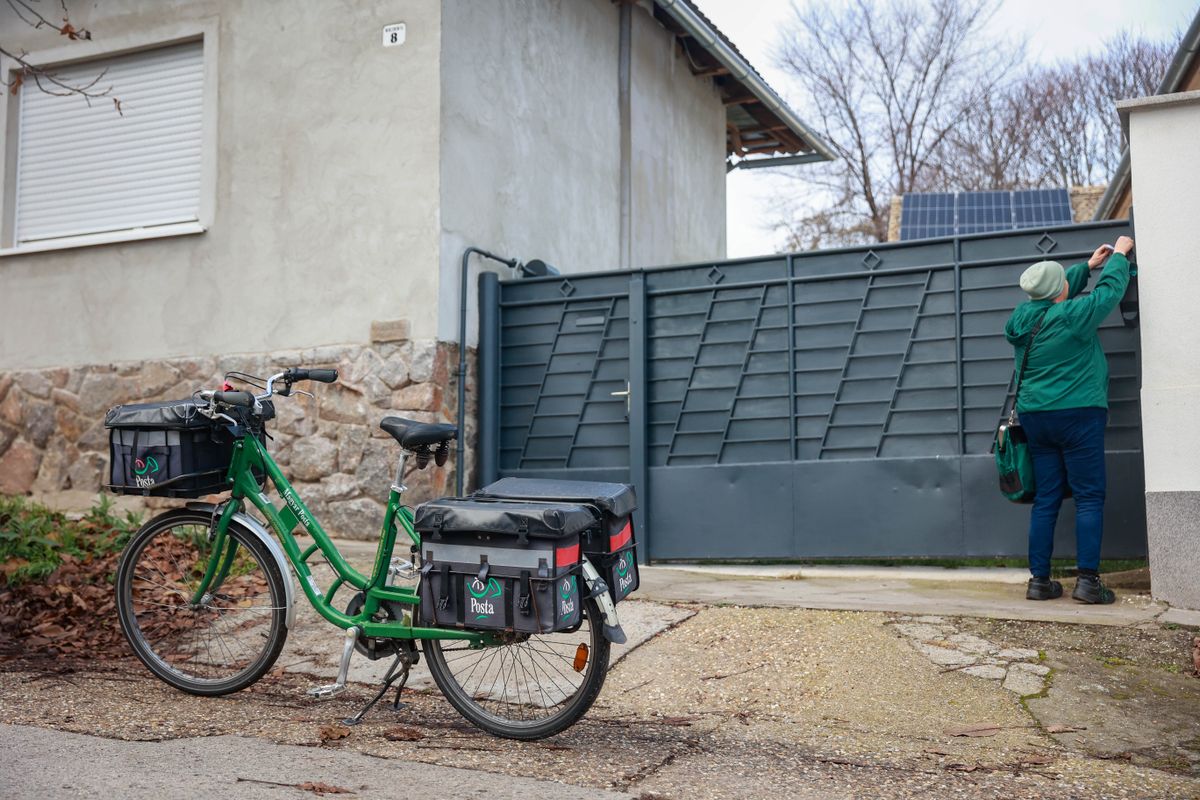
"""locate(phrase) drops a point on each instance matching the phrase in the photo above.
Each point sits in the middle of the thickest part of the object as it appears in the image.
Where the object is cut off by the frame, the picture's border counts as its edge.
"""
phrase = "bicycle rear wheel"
(529, 687)
(219, 645)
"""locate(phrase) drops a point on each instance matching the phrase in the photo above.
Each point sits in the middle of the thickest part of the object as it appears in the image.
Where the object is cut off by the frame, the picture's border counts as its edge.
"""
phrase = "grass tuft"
(34, 538)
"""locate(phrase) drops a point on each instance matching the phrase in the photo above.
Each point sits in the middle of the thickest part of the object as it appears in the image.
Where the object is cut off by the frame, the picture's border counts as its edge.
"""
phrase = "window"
(81, 173)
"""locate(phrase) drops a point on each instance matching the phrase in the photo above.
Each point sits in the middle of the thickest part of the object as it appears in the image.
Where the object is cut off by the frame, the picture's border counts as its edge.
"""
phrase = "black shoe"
(1043, 589)
(1089, 589)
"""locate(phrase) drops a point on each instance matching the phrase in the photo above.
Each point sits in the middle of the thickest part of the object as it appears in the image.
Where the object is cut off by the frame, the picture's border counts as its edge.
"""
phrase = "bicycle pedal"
(402, 568)
(327, 691)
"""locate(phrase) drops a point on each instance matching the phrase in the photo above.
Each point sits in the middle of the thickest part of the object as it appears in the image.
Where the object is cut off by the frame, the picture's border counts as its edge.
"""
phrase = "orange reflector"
(581, 654)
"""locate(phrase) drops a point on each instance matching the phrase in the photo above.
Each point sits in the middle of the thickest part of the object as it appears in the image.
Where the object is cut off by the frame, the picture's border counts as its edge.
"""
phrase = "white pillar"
(1164, 136)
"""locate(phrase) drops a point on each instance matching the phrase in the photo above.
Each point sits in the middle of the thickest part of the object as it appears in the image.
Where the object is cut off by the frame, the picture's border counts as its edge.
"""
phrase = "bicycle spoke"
(214, 641)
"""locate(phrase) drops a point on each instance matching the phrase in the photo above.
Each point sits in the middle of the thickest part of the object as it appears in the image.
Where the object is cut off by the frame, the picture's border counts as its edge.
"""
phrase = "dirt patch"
(1128, 693)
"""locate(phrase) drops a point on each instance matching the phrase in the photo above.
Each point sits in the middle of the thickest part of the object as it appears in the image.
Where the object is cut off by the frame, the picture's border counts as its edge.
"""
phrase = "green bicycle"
(205, 599)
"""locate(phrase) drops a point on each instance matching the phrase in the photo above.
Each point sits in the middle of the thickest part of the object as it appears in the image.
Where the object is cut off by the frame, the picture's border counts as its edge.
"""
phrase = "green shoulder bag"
(1014, 462)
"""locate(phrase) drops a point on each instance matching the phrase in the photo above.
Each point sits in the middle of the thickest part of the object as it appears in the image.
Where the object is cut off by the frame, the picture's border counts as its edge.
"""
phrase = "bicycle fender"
(262, 534)
(598, 589)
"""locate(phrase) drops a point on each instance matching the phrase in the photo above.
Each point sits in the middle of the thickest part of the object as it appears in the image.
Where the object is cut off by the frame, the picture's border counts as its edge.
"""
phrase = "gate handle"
(624, 394)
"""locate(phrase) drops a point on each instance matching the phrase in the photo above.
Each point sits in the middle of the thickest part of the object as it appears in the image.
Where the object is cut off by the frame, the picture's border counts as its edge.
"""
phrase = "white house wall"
(1166, 170)
(531, 142)
(326, 193)
(678, 165)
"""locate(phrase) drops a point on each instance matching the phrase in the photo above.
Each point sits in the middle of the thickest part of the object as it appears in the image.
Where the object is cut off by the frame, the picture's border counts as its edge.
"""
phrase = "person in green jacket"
(1063, 407)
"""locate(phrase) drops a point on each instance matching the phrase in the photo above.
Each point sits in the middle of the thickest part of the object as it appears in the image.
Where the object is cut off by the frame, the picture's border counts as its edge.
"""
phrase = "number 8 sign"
(393, 35)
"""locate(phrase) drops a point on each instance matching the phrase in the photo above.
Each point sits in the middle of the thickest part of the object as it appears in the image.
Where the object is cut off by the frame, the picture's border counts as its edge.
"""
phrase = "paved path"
(903, 590)
(971, 592)
(36, 762)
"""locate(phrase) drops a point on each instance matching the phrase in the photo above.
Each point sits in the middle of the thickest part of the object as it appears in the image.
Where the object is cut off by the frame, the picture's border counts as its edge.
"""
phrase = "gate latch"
(624, 393)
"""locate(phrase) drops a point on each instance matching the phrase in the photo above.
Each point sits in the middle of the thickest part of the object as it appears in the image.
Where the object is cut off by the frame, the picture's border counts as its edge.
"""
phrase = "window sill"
(108, 237)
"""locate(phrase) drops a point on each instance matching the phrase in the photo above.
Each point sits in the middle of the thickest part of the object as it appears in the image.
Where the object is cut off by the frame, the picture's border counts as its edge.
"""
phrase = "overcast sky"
(1055, 29)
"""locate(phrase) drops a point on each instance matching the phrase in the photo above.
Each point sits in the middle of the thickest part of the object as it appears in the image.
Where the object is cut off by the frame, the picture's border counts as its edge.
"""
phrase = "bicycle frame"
(249, 454)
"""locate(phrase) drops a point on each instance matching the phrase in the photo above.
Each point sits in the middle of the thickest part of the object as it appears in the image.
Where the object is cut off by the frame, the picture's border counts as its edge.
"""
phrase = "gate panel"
(826, 404)
(564, 348)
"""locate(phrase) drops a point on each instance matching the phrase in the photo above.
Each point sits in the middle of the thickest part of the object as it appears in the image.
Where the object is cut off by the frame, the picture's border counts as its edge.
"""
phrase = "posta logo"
(141, 467)
(622, 566)
(481, 590)
(481, 595)
(564, 588)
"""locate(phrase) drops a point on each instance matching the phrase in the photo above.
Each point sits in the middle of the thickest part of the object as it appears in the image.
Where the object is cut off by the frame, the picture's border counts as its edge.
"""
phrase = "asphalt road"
(36, 763)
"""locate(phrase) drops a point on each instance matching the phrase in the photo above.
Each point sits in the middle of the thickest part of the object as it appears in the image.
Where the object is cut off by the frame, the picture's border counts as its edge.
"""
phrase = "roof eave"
(740, 70)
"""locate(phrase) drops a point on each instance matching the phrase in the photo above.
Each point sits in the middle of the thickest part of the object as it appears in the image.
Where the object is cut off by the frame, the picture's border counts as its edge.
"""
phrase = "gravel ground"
(731, 702)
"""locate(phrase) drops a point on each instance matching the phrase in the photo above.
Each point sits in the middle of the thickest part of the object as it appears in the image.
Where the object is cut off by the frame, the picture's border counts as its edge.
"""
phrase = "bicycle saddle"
(410, 433)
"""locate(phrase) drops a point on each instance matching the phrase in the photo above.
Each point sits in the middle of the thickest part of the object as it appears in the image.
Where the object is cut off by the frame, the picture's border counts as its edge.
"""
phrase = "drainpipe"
(625, 24)
(462, 356)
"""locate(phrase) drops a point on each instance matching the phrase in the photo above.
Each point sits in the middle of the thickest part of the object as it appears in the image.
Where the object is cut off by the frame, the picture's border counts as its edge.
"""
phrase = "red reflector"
(566, 555)
(623, 538)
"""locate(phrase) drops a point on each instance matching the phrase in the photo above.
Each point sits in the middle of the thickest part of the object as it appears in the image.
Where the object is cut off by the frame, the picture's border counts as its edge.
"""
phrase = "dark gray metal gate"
(822, 404)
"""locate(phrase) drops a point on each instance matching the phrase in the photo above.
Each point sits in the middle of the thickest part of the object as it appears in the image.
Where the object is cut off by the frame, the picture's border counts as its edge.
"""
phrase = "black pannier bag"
(500, 566)
(609, 544)
(167, 450)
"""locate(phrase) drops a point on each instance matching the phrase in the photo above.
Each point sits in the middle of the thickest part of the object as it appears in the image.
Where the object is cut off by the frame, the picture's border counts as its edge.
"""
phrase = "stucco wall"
(326, 207)
(1166, 171)
(678, 167)
(531, 142)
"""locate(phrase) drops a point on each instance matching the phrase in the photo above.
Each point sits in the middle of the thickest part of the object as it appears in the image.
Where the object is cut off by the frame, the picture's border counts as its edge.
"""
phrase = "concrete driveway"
(736, 690)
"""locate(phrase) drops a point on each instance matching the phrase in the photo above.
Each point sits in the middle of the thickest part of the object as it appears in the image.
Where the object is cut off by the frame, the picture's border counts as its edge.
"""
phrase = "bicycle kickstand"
(397, 672)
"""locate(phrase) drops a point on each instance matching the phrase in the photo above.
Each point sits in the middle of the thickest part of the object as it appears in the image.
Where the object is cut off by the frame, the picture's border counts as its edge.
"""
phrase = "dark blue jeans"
(1068, 450)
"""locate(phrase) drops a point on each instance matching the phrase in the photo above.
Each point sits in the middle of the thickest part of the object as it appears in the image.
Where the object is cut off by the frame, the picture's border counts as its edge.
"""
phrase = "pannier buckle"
(523, 599)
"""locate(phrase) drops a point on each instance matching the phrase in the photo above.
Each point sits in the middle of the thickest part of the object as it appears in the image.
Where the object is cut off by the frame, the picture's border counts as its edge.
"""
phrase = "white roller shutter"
(84, 169)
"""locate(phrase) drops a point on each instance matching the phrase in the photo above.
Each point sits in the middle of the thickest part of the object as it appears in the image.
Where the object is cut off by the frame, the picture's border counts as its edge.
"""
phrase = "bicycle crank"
(373, 647)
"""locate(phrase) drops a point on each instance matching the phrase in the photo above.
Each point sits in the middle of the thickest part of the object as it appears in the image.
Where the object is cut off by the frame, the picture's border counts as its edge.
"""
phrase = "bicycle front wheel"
(531, 685)
(226, 640)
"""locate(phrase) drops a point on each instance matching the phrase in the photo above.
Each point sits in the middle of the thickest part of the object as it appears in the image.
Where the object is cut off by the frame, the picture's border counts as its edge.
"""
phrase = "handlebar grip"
(323, 375)
(243, 399)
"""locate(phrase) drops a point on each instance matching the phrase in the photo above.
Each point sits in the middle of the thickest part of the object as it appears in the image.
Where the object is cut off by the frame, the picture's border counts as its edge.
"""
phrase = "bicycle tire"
(177, 611)
(574, 706)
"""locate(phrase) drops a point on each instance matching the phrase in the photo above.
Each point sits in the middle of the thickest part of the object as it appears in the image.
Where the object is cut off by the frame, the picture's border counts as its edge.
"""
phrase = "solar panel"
(961, 213)
(980, 212)
(925, 215)
(1036, 207)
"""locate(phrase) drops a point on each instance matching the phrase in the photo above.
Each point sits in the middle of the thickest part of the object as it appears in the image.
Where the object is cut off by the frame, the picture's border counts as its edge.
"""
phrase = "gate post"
(488, 376)
(638, 386)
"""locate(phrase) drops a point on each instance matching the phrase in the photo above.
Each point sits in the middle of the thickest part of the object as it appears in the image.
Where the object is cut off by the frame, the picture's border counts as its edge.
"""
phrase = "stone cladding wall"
(52, 435)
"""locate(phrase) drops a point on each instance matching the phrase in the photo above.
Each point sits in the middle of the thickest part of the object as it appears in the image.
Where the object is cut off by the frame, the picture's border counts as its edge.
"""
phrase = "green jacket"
(1067, 368)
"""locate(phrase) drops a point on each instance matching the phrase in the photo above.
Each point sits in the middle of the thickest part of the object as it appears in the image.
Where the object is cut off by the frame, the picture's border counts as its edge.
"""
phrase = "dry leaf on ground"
(402, 734)
(329, 733)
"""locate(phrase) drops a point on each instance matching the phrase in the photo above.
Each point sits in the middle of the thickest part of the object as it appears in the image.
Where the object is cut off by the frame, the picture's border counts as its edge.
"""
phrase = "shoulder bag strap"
(1012, 415)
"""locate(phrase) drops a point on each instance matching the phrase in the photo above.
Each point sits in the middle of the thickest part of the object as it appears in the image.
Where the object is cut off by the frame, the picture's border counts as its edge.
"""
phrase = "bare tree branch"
(919, 96)
(46, 80)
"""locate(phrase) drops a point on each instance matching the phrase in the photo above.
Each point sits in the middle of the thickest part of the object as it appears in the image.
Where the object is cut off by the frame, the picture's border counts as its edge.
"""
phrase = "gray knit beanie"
(1043, 280)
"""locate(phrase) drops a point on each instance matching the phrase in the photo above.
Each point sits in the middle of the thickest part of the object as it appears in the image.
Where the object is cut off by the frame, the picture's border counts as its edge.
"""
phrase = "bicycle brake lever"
(301, 391)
